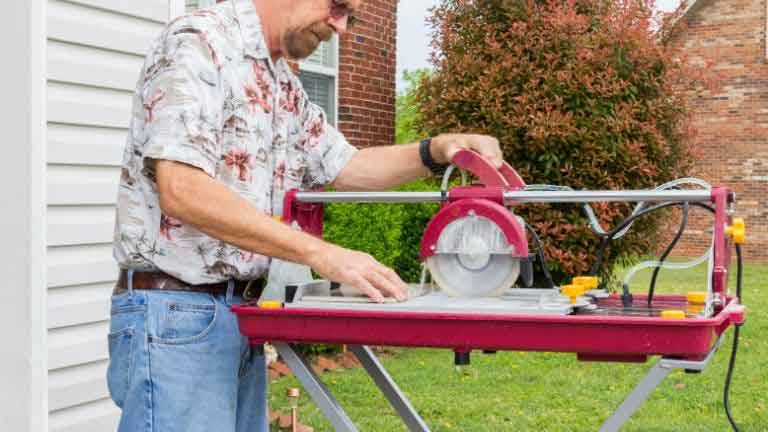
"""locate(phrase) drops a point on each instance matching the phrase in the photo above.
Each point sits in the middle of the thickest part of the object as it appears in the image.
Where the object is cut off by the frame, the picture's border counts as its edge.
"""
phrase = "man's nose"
(339, 25)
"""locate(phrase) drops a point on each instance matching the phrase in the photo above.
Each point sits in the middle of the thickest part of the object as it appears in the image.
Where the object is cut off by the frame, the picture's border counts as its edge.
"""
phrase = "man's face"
(314, 21)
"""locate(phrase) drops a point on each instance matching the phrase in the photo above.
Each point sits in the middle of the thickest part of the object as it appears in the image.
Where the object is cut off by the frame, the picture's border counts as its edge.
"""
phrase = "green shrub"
(372, 228)
(579, 93)
(389, 232)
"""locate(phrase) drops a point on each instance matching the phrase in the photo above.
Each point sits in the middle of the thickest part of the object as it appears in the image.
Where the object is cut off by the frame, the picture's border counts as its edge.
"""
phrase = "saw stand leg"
(652, 379)
(328, 404)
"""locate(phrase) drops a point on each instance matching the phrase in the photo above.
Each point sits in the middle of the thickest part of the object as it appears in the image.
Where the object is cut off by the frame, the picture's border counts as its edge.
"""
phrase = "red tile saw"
(474, 249)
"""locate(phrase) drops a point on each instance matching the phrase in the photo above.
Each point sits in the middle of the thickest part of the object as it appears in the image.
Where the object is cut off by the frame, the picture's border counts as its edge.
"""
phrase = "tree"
(406, 108)
(579, 92)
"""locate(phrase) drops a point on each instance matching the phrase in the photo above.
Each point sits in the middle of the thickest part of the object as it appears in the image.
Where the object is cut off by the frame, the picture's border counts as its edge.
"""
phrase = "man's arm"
(188, 194)
(381, 168)
(182, 154)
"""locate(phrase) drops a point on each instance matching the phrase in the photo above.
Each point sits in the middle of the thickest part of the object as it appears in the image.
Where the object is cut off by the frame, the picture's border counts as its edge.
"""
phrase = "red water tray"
(593, 337)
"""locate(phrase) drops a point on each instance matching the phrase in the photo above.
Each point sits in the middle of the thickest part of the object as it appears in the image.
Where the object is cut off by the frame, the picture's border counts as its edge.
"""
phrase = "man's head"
(308, 22)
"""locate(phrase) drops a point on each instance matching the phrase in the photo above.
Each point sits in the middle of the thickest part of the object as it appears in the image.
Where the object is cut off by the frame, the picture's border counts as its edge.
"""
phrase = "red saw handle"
(505, 177)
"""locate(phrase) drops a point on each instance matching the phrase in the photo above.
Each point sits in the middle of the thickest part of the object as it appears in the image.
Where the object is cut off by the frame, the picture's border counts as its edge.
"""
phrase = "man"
(221, 128)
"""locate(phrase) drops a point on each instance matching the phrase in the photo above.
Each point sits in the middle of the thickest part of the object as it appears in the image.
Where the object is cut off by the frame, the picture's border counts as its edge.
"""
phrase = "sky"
(413, 34)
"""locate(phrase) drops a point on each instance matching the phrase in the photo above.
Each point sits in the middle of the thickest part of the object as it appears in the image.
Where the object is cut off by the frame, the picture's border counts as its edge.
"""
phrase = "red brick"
(367, 76)
(732, 125)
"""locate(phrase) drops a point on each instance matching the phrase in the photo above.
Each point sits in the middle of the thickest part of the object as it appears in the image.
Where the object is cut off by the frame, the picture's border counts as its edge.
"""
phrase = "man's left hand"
(445, 146)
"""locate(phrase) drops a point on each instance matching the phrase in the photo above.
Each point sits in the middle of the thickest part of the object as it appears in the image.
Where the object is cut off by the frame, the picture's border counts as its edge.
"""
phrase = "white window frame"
(331, 72)
(179, 7)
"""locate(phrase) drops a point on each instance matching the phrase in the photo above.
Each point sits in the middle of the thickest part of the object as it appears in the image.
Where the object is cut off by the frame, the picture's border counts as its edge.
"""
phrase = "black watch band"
(426, 158)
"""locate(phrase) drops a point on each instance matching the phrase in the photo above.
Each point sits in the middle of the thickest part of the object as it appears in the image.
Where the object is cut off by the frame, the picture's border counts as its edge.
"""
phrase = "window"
(321, 90)
(318, 73)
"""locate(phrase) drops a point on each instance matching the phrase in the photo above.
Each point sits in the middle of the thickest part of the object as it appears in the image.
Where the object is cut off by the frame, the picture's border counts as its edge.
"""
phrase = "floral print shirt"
(210, 96)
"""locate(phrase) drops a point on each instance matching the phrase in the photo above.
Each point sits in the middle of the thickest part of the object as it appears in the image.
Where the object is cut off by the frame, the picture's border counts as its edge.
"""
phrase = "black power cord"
(663, 257)
(542, 258)
(732, 361)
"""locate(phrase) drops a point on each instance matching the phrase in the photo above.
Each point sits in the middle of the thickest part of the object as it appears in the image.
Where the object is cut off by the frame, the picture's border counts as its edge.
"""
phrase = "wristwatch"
(426, 158)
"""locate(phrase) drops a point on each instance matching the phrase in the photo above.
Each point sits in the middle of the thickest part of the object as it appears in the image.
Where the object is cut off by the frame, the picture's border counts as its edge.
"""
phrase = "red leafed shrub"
(579, 92)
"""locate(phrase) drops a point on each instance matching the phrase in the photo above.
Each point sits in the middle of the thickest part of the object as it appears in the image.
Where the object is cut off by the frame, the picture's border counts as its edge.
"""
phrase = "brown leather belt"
(162, 281)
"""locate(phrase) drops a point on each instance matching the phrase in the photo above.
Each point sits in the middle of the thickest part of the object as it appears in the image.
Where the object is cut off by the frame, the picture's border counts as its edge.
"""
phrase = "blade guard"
(498, 214)
(505, 176)
(487, 201)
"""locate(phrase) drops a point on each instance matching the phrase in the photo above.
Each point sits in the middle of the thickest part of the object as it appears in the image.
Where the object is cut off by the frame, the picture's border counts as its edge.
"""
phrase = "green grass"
(517, 391)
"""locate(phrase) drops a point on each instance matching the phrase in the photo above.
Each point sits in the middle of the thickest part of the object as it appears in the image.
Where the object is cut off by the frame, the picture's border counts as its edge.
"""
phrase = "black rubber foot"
(461, 358)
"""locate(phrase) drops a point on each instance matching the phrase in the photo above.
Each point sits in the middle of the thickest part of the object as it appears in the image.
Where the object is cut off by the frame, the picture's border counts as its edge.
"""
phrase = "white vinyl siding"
(94, 55)
(23, 329)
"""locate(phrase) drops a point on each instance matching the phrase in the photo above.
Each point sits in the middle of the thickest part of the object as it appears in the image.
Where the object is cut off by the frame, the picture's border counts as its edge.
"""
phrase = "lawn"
(518, 391)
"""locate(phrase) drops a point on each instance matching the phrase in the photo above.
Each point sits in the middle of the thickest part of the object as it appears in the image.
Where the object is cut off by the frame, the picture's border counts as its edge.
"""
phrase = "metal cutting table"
(682, 344)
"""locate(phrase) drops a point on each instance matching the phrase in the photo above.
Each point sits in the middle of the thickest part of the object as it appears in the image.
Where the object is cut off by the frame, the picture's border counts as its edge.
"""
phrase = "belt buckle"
(251, 292)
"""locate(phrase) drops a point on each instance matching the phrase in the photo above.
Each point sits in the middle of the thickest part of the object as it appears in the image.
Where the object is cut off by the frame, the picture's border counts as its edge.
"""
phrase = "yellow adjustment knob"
(697, 297)
(673, 314)
(572, 291)
(588, 282)
(737, 230)
(270, 305)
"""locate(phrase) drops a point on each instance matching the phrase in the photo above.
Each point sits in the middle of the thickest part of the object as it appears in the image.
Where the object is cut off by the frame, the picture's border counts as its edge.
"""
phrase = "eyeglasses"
(340, 9)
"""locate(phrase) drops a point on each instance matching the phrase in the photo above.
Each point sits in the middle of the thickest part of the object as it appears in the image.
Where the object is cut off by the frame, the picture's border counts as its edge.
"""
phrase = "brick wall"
(732, 124)
(367, 76)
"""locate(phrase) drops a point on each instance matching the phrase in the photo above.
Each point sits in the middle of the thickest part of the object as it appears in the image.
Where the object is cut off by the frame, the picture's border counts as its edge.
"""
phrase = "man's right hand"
(360, 270)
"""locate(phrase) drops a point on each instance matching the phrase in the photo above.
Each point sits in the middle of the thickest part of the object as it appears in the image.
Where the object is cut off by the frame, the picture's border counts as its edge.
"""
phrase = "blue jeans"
(177, 362)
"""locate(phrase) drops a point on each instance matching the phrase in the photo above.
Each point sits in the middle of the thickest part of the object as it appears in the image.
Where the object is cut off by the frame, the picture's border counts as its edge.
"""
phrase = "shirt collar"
(251, 29)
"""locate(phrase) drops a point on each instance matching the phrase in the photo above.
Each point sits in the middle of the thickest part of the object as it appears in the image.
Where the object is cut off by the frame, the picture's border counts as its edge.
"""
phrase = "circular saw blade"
(473, 259)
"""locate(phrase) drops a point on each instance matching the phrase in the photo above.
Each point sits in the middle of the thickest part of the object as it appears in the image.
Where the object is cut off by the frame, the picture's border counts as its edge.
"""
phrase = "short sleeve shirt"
(210, 96)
